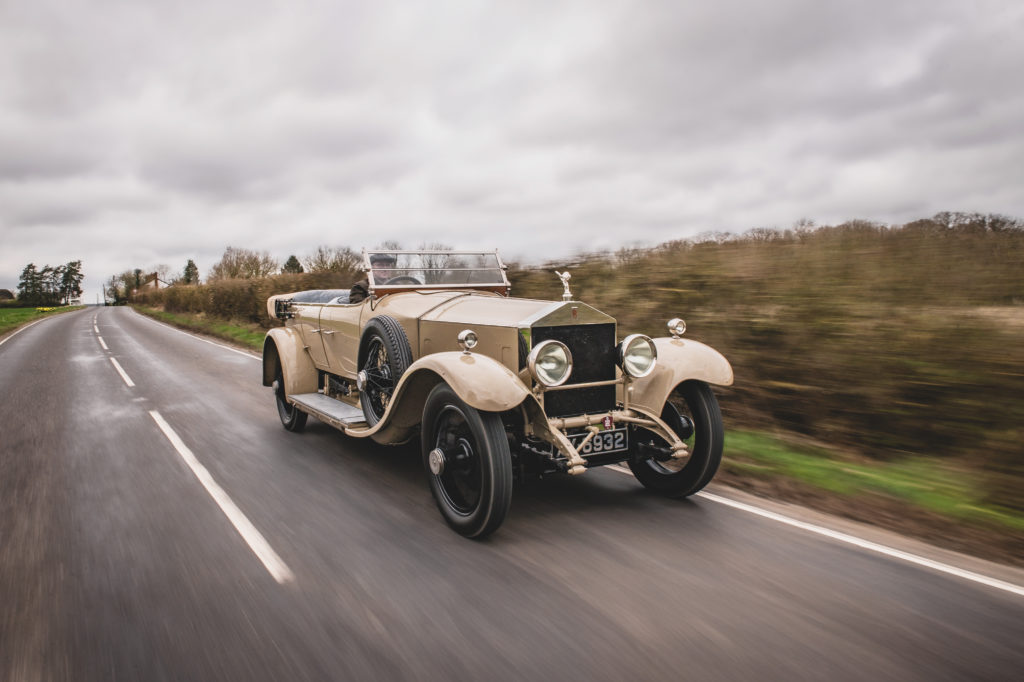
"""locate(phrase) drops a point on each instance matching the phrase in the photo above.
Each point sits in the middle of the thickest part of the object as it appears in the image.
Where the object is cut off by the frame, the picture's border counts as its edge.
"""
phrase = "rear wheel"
(292, 418)
(693, 413)
(468, 462)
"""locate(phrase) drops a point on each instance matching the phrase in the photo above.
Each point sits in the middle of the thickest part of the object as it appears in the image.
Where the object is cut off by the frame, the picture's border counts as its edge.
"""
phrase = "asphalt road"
(124, 557)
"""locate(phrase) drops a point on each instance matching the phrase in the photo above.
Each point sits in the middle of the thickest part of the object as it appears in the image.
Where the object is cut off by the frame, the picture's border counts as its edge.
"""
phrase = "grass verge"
(12, 318)
(248, 335)
(933, 485)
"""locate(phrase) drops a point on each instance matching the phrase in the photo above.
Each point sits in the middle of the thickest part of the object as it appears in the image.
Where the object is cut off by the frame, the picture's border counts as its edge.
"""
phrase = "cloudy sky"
(139, 133)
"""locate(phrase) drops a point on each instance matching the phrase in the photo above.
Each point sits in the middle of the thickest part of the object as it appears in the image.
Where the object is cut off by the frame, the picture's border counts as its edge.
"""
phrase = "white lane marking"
(212, 343)
(18, 331)
(257, 543)
(858, 542)
(124, 375)
(95, 328)
(103, 343)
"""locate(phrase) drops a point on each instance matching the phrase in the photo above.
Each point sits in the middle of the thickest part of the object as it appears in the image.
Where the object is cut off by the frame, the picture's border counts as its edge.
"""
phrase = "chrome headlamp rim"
(468, 340)
(534, 356)
(623, 350)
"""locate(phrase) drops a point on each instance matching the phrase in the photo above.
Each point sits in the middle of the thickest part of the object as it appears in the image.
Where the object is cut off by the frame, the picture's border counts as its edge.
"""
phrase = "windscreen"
(435, 269)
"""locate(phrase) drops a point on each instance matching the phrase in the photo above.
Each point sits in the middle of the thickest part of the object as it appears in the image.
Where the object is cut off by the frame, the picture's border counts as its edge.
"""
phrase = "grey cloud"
(174, 130)
(48, 149)
(49, 201)
(696, 78)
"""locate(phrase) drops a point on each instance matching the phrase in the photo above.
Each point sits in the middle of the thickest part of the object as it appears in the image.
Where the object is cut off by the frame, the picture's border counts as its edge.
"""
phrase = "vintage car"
(497, 388)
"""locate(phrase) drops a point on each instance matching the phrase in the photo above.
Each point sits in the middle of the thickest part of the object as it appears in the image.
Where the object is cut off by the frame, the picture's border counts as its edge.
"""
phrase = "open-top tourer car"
(497, 388)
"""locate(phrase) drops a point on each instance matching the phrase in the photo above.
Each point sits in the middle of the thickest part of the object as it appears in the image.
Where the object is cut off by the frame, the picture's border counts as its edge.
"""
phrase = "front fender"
(481, 382)
(678, 361)
(283, 348)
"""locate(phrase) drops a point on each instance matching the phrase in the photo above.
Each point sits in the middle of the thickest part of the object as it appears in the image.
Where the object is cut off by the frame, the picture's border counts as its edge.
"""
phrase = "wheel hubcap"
(459, 477)
(436, 460)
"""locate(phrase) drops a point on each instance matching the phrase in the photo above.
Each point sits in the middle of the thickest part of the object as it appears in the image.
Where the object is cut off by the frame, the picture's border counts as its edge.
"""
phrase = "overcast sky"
(139, 133)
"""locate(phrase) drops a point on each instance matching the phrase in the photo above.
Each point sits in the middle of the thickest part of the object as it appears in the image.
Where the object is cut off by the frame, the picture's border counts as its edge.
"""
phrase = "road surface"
(157, 523)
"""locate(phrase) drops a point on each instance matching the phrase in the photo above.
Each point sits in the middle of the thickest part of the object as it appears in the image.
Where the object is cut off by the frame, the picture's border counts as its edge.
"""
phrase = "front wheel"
(468, 462)
(698, 421)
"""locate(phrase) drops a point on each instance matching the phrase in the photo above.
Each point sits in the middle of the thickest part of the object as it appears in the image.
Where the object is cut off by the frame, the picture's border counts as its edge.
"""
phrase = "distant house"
(6, 295)
(151, 281)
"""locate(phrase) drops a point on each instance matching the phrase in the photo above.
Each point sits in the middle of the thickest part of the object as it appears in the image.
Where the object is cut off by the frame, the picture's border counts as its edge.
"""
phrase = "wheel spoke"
(378, 379)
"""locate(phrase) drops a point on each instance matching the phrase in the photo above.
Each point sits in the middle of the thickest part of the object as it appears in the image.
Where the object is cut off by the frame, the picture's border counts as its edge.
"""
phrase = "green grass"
(926, 483)
(250, 336)
(12, 318)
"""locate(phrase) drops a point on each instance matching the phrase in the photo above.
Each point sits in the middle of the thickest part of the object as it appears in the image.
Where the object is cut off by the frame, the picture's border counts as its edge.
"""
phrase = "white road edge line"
(18, 331)
(212, 343)
(95, 328)
(124, 375)
(103, 343)
(858, 542)
(257, 543)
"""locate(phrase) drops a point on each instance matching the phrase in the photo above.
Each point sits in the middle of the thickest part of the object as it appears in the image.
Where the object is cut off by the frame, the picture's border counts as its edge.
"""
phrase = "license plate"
(612, 440)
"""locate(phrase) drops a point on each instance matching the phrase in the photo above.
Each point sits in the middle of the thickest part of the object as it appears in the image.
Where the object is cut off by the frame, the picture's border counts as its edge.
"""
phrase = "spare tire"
(384, 355)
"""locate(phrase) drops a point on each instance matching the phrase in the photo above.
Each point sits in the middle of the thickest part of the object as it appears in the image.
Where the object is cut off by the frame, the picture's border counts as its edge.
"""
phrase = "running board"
(334, 412)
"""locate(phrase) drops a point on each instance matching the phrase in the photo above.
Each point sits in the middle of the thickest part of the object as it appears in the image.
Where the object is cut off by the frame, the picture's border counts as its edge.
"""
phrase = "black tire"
(474, 490)
(292, 418)
(686, 477)
(384, 355)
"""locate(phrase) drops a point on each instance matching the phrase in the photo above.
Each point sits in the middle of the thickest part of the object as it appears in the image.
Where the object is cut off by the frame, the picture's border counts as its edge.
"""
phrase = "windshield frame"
(417, 262)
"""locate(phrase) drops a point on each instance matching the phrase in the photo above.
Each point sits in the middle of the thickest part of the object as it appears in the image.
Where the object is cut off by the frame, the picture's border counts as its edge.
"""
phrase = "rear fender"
(283, 348)
(679, 360)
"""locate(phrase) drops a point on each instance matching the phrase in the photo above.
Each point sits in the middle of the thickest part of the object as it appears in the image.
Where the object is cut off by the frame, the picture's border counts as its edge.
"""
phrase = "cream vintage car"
(497, 388)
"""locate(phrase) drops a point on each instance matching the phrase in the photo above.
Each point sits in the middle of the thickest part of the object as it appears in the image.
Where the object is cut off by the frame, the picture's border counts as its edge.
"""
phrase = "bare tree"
(243, 264)
(163, 273)
(434, 263)
(331, 259)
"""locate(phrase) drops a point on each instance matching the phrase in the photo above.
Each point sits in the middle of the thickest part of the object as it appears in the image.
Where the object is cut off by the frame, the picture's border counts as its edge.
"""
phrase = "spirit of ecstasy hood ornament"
(565, 277)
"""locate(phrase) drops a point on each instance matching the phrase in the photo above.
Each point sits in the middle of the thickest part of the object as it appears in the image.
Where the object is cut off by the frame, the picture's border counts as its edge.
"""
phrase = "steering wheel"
(402, 279)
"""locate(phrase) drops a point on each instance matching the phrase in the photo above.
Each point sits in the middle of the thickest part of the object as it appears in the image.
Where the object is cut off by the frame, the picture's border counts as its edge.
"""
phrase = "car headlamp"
(550, 363)
(468, 340)
(637, 355)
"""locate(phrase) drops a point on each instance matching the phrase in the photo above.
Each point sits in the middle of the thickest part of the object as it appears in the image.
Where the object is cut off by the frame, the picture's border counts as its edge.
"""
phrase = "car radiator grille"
(593, 357)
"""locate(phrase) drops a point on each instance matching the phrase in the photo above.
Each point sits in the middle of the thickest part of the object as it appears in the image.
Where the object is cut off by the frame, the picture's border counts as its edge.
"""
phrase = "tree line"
(245, 264)
(49, 285)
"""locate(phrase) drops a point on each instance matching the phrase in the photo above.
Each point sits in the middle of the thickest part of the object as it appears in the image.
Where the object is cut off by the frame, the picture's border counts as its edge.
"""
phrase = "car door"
(307, 321)
(340, 331)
